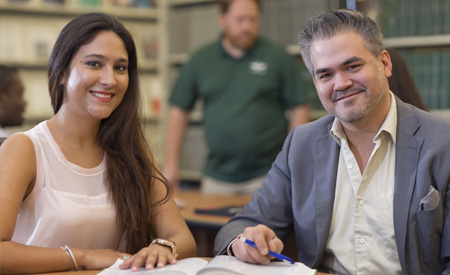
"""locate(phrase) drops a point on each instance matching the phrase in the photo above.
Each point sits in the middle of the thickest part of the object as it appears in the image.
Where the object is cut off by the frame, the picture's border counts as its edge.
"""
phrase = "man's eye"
(352, 67)
(325, 76)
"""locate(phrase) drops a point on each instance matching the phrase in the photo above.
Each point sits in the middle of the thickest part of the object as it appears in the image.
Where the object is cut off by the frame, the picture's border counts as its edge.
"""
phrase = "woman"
(81, 189)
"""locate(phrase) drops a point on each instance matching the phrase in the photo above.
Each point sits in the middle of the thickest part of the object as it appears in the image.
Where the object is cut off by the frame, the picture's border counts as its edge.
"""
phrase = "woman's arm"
(17, 178)
(169, 225)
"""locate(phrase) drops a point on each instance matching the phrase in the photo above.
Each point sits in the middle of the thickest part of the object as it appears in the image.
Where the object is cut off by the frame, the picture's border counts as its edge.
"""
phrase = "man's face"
(351, 82)
(12, 104)
(241, 23)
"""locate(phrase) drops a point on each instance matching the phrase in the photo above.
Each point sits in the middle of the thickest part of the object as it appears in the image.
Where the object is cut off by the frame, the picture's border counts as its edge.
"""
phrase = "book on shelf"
(219, 265)
(430, 71)
(134, 3)
(151, 96)
(282, 20)
(445, 79)
(39, 40)
(54, 2)
(12, 41)
(86, 3)
(414, 17)
(150, 44)
(446, 17)
(27, 2)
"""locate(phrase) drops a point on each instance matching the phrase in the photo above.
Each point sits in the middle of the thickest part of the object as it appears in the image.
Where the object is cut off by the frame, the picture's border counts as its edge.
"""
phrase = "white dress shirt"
(362, 237)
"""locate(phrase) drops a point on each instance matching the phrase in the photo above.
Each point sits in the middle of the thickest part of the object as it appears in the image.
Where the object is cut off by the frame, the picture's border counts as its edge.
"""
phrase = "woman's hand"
(97, 258)
(150, 256)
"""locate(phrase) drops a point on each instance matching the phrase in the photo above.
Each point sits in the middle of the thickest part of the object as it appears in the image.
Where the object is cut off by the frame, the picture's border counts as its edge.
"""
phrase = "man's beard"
(240, 43)
(358, 112)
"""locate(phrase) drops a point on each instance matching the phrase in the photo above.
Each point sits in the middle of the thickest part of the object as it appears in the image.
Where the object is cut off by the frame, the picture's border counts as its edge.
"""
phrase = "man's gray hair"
(335, 22)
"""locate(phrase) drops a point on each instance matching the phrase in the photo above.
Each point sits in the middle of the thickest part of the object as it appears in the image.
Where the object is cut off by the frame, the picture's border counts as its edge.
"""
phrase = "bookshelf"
(47, 17)
(51, 9)
(422, 41)
(29, 28)
(420, 30)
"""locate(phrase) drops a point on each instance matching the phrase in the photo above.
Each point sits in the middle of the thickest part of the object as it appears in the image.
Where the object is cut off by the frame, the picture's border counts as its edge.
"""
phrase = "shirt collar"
(389, 126)
(224, 53)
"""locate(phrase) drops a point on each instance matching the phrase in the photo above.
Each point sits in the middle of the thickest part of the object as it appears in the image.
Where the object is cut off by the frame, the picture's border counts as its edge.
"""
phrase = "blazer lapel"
(326, 156)
(407, 157)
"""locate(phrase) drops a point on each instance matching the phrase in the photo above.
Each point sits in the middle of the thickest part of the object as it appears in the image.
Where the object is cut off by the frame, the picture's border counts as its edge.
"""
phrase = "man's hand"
(264, 238)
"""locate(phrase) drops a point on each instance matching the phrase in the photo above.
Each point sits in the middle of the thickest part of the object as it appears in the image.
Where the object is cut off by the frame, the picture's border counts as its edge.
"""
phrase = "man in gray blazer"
(366, 189)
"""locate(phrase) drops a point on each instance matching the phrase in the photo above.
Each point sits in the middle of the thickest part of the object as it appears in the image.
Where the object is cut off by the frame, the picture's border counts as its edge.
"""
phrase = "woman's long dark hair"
(131, 171)
(402, 83)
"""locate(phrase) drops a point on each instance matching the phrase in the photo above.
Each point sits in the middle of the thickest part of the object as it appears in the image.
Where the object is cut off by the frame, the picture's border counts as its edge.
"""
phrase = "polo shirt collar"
(224, 53)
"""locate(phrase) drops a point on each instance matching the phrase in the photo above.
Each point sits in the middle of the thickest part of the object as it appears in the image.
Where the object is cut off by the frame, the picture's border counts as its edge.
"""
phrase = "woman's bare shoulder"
(17, 155)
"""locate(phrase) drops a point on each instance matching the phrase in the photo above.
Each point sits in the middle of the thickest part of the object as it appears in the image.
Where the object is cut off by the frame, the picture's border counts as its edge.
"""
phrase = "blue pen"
(276, 255)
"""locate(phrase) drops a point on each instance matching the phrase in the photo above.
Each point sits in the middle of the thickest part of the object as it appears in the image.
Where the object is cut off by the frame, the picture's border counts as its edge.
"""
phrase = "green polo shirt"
(245, 101)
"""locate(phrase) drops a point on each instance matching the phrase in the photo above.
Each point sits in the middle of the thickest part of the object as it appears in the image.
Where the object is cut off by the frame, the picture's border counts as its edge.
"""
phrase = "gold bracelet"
(168, 243)
(71, 257)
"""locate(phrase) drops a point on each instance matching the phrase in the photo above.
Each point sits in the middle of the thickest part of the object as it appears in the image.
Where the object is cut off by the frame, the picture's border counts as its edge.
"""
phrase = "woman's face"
(97, 78)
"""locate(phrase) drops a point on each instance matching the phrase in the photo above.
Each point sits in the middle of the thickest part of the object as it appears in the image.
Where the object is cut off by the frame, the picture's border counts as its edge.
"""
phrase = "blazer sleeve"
(271, 205)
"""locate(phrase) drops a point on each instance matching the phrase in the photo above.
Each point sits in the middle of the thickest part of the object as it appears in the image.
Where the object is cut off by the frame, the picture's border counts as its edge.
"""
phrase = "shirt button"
(362, 241)
(350, 166)
(361, 202)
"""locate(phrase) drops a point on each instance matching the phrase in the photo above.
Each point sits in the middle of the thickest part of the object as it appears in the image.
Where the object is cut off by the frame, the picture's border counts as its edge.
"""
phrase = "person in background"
(401, 82)
(12, 103)
(247, 83)
(81, 190)
(366, 190)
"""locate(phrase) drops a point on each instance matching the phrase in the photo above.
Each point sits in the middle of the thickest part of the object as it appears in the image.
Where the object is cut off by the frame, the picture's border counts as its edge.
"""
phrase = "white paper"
(189, 266)
(230, 265)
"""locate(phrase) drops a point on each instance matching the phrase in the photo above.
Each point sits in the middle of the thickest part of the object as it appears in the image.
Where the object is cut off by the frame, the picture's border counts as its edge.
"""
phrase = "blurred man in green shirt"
(247, 84)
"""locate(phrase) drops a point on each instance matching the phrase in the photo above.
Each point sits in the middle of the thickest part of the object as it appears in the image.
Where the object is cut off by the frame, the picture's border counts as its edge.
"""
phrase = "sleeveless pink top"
(69, 204)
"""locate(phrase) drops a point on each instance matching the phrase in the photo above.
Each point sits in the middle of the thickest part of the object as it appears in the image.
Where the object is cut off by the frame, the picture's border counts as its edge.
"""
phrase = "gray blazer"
(298, 192)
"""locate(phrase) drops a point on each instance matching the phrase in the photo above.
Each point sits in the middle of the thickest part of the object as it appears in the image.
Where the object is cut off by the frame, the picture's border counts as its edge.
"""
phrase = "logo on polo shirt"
(258, 67)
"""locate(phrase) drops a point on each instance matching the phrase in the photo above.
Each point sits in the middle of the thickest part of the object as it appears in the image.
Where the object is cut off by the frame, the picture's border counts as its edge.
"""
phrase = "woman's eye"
(92, 63)
(121, 68)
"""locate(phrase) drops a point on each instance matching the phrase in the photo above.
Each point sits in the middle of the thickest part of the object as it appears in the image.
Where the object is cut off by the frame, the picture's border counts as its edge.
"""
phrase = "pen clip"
(276, 255)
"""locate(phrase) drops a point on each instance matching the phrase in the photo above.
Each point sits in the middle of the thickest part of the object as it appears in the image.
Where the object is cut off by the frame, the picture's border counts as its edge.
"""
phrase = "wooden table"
(195, 199)
(205, 227)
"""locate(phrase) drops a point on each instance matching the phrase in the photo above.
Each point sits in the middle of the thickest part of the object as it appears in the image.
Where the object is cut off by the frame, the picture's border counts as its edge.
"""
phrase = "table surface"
(195, 199)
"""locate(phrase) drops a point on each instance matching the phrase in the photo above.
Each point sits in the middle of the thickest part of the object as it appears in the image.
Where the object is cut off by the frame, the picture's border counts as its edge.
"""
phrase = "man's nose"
(342, 81)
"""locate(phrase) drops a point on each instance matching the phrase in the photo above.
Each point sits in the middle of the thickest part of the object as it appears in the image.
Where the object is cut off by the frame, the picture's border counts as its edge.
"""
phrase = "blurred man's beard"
(243, 41)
